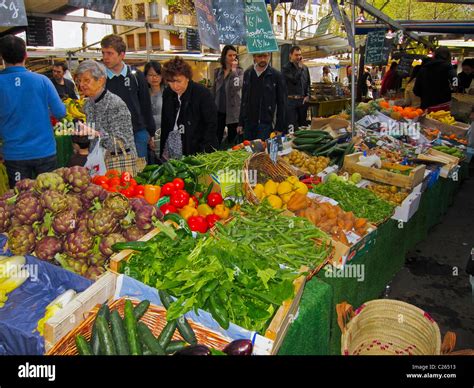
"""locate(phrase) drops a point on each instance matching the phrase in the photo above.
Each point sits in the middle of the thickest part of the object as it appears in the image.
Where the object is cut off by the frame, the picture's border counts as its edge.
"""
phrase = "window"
(140, 11)
(155, 39)
(127, 12)
(142, 41)
(280, 20)
(130, 42)
(175, 42)
(154, 10)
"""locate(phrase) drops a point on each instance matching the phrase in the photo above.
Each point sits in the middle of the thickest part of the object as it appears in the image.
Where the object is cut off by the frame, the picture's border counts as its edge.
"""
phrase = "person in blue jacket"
(27, 100)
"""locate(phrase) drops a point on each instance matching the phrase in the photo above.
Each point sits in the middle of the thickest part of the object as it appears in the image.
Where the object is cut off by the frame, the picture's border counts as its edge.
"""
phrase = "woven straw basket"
(387, 327)
(154, 318)
(265, 170)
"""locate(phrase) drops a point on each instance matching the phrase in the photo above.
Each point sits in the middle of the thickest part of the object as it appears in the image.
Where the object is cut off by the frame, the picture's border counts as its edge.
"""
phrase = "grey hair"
(96, 69)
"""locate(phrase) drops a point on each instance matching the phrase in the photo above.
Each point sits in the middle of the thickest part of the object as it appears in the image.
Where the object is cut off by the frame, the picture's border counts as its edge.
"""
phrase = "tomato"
(105, 186)
(168, 208)
(214, 199)
(168, 189)
(127, 192)
(179, 198)
(139, 190)
(212, 219)
(198, 224)
(112, 174)
(125, 178)
(114, 182)
(113, 189)
(99, 180)
(178, 183)
(133, 182)
(246, 143)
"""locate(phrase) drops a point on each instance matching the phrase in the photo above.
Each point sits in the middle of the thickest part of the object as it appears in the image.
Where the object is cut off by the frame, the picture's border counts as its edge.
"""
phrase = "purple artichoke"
(48, 247)
(97, 259)
(94, 272)
(107, 242)
(75, 204)
(137, 203)
(54, 201)
(15, 221)
(6, 213)
(78, 245)
(25, 185)
(28, 210)
(9, 194)
(21, 240)
(65, 222)
(102, 222)
(118, 204)
(145, 216)
(82, 220)
(133, 233)
(61, 171)
(78, 177)
(79, 266)
(92, 192)
(49, 181)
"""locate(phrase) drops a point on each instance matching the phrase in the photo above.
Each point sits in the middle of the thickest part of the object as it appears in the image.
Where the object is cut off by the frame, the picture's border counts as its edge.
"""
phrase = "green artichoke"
(78, 177)
(28, 210)
(54, 201)
(118, 204)
(102, 222)
(107, 242)
(133, 233)
(50, 181)
(78, 245)
(75, 203)
(21, 240)
(65, 222)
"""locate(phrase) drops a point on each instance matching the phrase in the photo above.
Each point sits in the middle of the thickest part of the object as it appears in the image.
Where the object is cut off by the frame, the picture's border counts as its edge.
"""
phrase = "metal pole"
(353, 85)
(148, 42)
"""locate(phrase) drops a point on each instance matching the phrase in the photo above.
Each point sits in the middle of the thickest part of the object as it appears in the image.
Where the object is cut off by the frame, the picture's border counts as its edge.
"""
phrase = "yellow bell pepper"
(204, 210)
(188, 211)
(222, 211)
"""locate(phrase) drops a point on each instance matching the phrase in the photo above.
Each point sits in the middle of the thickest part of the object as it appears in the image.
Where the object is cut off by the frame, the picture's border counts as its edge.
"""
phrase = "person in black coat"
(189, 114)
(64, 86)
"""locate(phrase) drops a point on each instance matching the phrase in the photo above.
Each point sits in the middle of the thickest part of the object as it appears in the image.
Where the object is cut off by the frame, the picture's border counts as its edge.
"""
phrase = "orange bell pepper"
(152, 194)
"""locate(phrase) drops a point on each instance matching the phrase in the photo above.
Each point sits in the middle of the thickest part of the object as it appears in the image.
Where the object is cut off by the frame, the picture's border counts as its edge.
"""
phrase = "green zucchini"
(148, 340)
(119, 335)
(186, 330)
(167, 333)
(179, 220)
(165, 299)
(140, 309)
(175, 346)
(305, 147)
(83, 347)
(131, 329)
(303, 132)
(302, 141)
(107, 343)
(218, 311)
(105, 312)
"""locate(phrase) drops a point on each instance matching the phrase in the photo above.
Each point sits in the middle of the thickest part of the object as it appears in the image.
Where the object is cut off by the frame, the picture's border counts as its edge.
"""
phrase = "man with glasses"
(64, 87)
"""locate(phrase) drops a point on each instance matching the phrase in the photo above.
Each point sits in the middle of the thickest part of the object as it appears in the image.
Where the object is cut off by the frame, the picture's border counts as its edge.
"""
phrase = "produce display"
(115, 182)
(74, 113)
(211, 163)
(236, 274)
(308, 164)
(442, 116)
(399, 112)
(278, 194)
(12, 275)
(388, 193)
(54, 307)
(450, 150)
(362, 202)
(453, 138)
(62, 217)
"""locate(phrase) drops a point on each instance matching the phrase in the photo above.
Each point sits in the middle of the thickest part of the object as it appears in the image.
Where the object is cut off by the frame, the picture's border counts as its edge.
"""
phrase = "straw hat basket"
(261, 164)
(387, 327)
(154, 318)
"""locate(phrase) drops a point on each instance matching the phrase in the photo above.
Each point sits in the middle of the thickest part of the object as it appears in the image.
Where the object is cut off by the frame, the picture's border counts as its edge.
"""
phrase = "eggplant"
(194, 350)
(241, 347)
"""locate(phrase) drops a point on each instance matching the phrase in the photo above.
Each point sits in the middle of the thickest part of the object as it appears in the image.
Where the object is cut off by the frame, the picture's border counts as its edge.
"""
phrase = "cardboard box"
(344, 254)
(450, 162)
(408, 207)
(337, 125)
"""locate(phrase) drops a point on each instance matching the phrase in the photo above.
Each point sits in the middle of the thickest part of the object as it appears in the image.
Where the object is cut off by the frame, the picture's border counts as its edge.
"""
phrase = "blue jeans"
(141, 143)
(257, 131)
(22, 169)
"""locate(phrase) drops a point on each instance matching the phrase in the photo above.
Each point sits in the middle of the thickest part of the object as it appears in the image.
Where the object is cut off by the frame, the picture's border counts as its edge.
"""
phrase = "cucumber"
(105, 312)
(175, 346)
(140, 309)
(146, 352)
(165, 298)
(179, 220)
(105, 337)
(119, 335)
(186, 331)
(305, 147)
(302, 141)
(218, 311)
(303, 132)
(148, 340)
(325, 147)
(167, 333)
(83, 347)
(131, 329)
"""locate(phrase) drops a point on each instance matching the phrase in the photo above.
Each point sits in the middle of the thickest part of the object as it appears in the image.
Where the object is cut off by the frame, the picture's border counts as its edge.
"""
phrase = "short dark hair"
(468, 62)
(224, 53)
(155, 65)
(443, 53)
(114, 41)
(175, 67)
(295, 48)
(12, 49)
(61, 64)
(393, 65)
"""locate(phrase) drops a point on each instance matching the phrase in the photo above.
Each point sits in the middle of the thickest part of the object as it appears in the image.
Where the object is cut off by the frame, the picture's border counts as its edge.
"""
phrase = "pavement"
(434, 277)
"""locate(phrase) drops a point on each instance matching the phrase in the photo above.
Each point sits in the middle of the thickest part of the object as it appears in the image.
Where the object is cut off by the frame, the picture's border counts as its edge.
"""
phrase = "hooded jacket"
(433, 83)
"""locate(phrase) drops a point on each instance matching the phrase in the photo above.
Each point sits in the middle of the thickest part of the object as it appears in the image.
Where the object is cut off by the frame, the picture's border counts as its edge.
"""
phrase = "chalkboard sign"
(12, 13)
(375, 48)
(207, 24)
(104, 6)
(193, 43)
(324, 25)
(405, 65)
(230, 18)
(260, 37)
(39, 32)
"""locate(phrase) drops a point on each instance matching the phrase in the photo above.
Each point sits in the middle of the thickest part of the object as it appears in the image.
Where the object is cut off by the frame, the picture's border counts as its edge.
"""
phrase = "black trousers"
(22, 169)
(296, 113)
(231, 130)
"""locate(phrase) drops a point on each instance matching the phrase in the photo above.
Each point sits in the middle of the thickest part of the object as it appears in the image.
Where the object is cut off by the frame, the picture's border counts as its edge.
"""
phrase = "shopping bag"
(95, 161)
(122, 161)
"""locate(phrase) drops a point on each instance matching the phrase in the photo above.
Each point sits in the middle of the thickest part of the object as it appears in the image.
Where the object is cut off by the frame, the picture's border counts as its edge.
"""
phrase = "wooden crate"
(461, 130)
(450, 162)
(384, 176)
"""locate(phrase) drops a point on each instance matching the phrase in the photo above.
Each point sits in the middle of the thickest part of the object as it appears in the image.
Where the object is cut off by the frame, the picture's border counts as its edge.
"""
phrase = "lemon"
(292, 179)
(286, 197)
(259, 191)
(284, 188)
(270, 187)
(275, 201)
(301, 188)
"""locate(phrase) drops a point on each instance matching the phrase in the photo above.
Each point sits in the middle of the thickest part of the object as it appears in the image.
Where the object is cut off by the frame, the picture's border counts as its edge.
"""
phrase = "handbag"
(123, 161)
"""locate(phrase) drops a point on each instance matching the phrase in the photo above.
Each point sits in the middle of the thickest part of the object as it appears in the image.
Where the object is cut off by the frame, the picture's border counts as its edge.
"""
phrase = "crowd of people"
(162, 113)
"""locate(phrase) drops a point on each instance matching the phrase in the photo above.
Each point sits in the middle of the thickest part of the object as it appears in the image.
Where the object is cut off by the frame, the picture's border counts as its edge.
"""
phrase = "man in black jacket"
(64, 86)
(263, 93)
(298, 83)
(131, 86)
(433, 82)
(189, 114)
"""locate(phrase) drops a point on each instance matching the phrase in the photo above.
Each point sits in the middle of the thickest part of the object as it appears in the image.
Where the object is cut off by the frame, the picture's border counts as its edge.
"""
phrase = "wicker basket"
(265, 170)
(154, 318)
(387, 327)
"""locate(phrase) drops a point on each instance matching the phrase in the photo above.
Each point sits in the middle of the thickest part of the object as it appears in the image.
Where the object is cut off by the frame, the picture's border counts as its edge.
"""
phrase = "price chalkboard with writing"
(375, 48)
(230, 18)
(12, 13)
(193, 43)
(103, 6)
(260, 36)
(207, 24)
(405, 65)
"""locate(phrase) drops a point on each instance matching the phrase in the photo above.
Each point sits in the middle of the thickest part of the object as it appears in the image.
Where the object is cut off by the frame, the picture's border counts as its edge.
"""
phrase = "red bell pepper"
(212, 219)
(178, 183)
(198, 224)
(168, 189)
(214, 199)
(179, 198)
(125, 178)
(168, 208)
(139, 190)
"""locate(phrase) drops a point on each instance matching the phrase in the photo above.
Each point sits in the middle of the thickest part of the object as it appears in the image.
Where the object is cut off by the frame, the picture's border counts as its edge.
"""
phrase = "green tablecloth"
(64, 150)
(315, 331)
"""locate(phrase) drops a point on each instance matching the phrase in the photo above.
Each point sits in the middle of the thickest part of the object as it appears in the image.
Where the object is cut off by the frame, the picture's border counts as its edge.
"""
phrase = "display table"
(315, 331)
(328, 108)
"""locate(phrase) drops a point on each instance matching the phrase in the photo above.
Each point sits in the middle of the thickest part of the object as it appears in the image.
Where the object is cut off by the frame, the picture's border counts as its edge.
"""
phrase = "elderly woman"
(107, 115)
